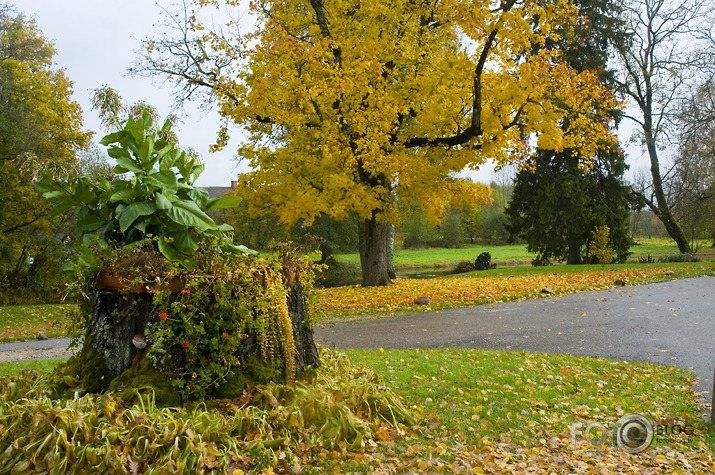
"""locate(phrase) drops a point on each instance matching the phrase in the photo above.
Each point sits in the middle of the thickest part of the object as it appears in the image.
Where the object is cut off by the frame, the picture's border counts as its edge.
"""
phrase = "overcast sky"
(96, 42)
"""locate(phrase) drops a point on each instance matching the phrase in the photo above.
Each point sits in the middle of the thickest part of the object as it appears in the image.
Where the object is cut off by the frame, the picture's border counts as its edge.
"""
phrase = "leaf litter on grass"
(470, 290)
(25, 322)
(495, 412)
(470, 411)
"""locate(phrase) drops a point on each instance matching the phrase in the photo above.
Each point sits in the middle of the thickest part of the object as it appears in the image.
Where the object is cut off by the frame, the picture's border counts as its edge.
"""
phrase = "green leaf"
(146, 152)
(61, 208)
(124, 194)
(116, 152)
(88, 222)
(241, 250)
(199, 195)
(126, 164)
(187, 213)
(169, 155)
(130, 213)
(167, 249)
(166, 177)
(229, 201)
(42, 187)
(56, 195)
(112, 138)
(185, 243)
(84, 191)
(162, 202)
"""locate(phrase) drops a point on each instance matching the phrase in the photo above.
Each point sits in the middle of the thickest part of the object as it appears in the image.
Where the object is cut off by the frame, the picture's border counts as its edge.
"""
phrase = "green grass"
(522, 400)
(508, 255)
(480, 411)
(25, 322)
(685, 269)
(406, 259)
(13, 368)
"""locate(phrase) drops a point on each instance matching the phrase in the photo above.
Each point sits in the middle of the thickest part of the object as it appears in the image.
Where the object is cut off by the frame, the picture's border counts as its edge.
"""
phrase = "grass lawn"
(14, 368)
(475, 411)
(509, 255)
(25, 322)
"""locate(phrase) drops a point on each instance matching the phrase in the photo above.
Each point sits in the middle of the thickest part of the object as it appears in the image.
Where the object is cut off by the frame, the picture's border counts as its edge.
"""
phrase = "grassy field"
(510, 255)
(475, 411)
(25, 322)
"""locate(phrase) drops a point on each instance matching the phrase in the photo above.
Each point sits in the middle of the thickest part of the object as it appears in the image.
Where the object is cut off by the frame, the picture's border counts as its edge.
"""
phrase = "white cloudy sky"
(96, 42)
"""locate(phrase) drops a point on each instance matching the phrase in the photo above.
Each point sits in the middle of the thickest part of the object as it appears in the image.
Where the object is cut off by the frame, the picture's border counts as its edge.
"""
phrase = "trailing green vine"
(217, 317)
(210, 321)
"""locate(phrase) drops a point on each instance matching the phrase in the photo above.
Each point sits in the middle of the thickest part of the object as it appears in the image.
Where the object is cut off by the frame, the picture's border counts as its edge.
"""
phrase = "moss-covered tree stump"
(119, 352)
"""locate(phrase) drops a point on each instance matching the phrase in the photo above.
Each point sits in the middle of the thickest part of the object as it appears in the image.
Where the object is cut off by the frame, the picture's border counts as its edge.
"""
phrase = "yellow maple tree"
(349, 103)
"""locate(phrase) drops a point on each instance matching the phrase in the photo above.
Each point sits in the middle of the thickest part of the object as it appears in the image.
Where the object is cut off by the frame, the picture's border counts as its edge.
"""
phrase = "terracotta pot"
(178, 283)
(106, 280)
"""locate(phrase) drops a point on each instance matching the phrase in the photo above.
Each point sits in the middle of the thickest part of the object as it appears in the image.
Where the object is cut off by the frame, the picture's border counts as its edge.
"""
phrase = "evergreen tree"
(557, 203)
(556, 207)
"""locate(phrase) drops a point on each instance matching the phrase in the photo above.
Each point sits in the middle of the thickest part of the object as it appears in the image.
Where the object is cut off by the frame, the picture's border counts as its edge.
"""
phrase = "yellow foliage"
(349, 103)
(467, 290)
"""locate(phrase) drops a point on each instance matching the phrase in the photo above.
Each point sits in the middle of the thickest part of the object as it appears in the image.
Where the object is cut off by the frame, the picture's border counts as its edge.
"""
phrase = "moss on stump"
(110, 361)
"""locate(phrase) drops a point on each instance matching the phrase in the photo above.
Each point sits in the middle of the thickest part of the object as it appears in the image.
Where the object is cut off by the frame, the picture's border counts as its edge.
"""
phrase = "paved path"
(34, 350)
(670, 323)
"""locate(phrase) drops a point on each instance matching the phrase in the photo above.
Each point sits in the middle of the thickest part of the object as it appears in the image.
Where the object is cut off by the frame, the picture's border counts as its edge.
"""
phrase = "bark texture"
(110, 359)
(375, 264)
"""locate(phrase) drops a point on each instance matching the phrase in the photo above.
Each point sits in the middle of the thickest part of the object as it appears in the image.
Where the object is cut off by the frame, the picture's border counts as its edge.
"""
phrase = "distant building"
(219, 191)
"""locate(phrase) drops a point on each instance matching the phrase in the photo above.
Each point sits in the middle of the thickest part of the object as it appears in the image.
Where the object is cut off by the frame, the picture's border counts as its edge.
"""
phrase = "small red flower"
(225, 362)
(162, 316)
(186, 291)
(185, 344)
(225, 335)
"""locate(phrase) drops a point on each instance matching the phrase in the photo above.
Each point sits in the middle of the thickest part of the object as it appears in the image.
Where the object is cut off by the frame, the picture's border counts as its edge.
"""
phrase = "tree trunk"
(375, 265)
(664, 212)
(111, 359)
(390, 251)
(361, 245)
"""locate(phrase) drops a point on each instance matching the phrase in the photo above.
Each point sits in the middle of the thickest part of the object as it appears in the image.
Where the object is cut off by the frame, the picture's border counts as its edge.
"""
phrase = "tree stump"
(116, 357)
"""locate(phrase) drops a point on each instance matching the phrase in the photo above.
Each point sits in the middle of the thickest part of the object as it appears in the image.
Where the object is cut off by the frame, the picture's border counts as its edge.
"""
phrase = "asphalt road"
(670, 323)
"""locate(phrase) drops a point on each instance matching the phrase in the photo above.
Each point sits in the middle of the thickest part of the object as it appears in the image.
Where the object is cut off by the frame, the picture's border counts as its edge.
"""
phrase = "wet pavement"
(670, 323)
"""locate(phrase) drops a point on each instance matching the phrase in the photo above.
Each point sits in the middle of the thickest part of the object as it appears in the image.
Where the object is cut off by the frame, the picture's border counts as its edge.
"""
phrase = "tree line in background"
(359, 162)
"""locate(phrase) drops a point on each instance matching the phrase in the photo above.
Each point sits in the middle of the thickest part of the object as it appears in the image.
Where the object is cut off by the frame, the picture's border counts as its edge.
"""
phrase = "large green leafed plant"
(158, 199)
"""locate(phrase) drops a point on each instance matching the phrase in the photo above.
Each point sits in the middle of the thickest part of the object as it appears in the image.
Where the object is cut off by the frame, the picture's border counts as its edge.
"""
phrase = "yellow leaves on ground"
(24, 322)
(468, 290)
